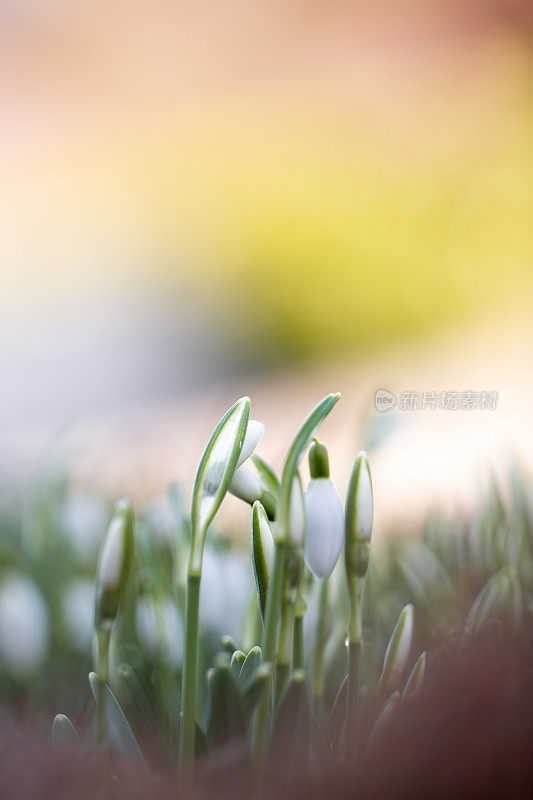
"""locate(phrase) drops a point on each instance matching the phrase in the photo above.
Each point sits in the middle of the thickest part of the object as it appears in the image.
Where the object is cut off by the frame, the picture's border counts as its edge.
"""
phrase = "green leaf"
(215, 472)
(200, 742)
(252, 662)
(413, 687)
(64, 732)
(254, 687)
(237, 660)
(121, 736)
(260, 531)
(226, 717)
(337, 716)
(132, 692)
(300, 443)
(397, 652)
(267, 476)
(321, 754)
(291, 736)
(382, 722)
(500, 598)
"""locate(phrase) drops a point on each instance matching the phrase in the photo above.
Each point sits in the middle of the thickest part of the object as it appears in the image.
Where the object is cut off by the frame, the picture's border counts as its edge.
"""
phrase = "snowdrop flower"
(114, 562)
(78, 613)
(324, 516)
(245, 486)
(254, 434)
(23, 626)
(160, 629)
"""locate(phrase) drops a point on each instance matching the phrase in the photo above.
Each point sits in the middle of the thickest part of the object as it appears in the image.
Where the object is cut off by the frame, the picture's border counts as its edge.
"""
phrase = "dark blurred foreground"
(469, 735)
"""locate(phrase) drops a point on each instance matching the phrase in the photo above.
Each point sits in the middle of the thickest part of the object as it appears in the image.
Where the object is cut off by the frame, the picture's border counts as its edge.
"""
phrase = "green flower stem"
(103, 636)
(320, 647)
(283, 665)
(298, 640)
(268, 647)
(190, 676)
(355, 641)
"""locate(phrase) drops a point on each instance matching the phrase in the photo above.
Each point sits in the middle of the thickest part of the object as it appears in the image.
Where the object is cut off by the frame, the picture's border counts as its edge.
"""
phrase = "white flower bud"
(112, 558)
(245, 485)
(254, 434)
(114, 562)
(23, 626)
(364, 503)
(324, 536)
(359, 516)
(296, 514)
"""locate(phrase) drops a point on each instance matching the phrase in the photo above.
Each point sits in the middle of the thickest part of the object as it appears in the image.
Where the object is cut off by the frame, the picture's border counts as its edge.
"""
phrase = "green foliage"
(464, 577)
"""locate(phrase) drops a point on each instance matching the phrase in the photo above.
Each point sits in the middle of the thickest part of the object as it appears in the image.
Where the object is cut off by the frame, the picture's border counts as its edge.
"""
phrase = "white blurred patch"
(78, 614)
(84, 518)
(160, 629)
(225, 592)
(24, 625)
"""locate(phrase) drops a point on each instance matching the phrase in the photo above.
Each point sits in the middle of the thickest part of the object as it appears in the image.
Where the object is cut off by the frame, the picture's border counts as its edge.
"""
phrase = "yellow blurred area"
(331, 229)
(292, 180)
(313, 218)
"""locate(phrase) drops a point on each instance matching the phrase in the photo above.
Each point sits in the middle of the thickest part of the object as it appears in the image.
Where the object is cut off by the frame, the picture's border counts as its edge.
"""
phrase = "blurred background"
(200, 200)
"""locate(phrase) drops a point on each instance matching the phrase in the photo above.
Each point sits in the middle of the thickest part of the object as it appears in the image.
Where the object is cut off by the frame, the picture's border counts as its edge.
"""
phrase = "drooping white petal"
(296, 514)
(245, 485)
(324, 527)
(365, 503)
(254, 434)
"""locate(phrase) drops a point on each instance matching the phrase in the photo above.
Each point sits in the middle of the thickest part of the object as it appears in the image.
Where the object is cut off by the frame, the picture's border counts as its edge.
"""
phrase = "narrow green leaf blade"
(121, 736)
(254, 687)
(226, 718)
(237, 660)
(300, 443)
(252, 662)
(397, 652)
(291, 736)
(260, 533)
(267, 476)
(64, 732)
(337, 717)
(215, 472)
(413, 687)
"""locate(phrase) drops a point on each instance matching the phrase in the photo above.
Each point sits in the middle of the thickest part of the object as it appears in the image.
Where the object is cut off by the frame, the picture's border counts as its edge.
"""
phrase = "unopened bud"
(114, 563)
(358, 518)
